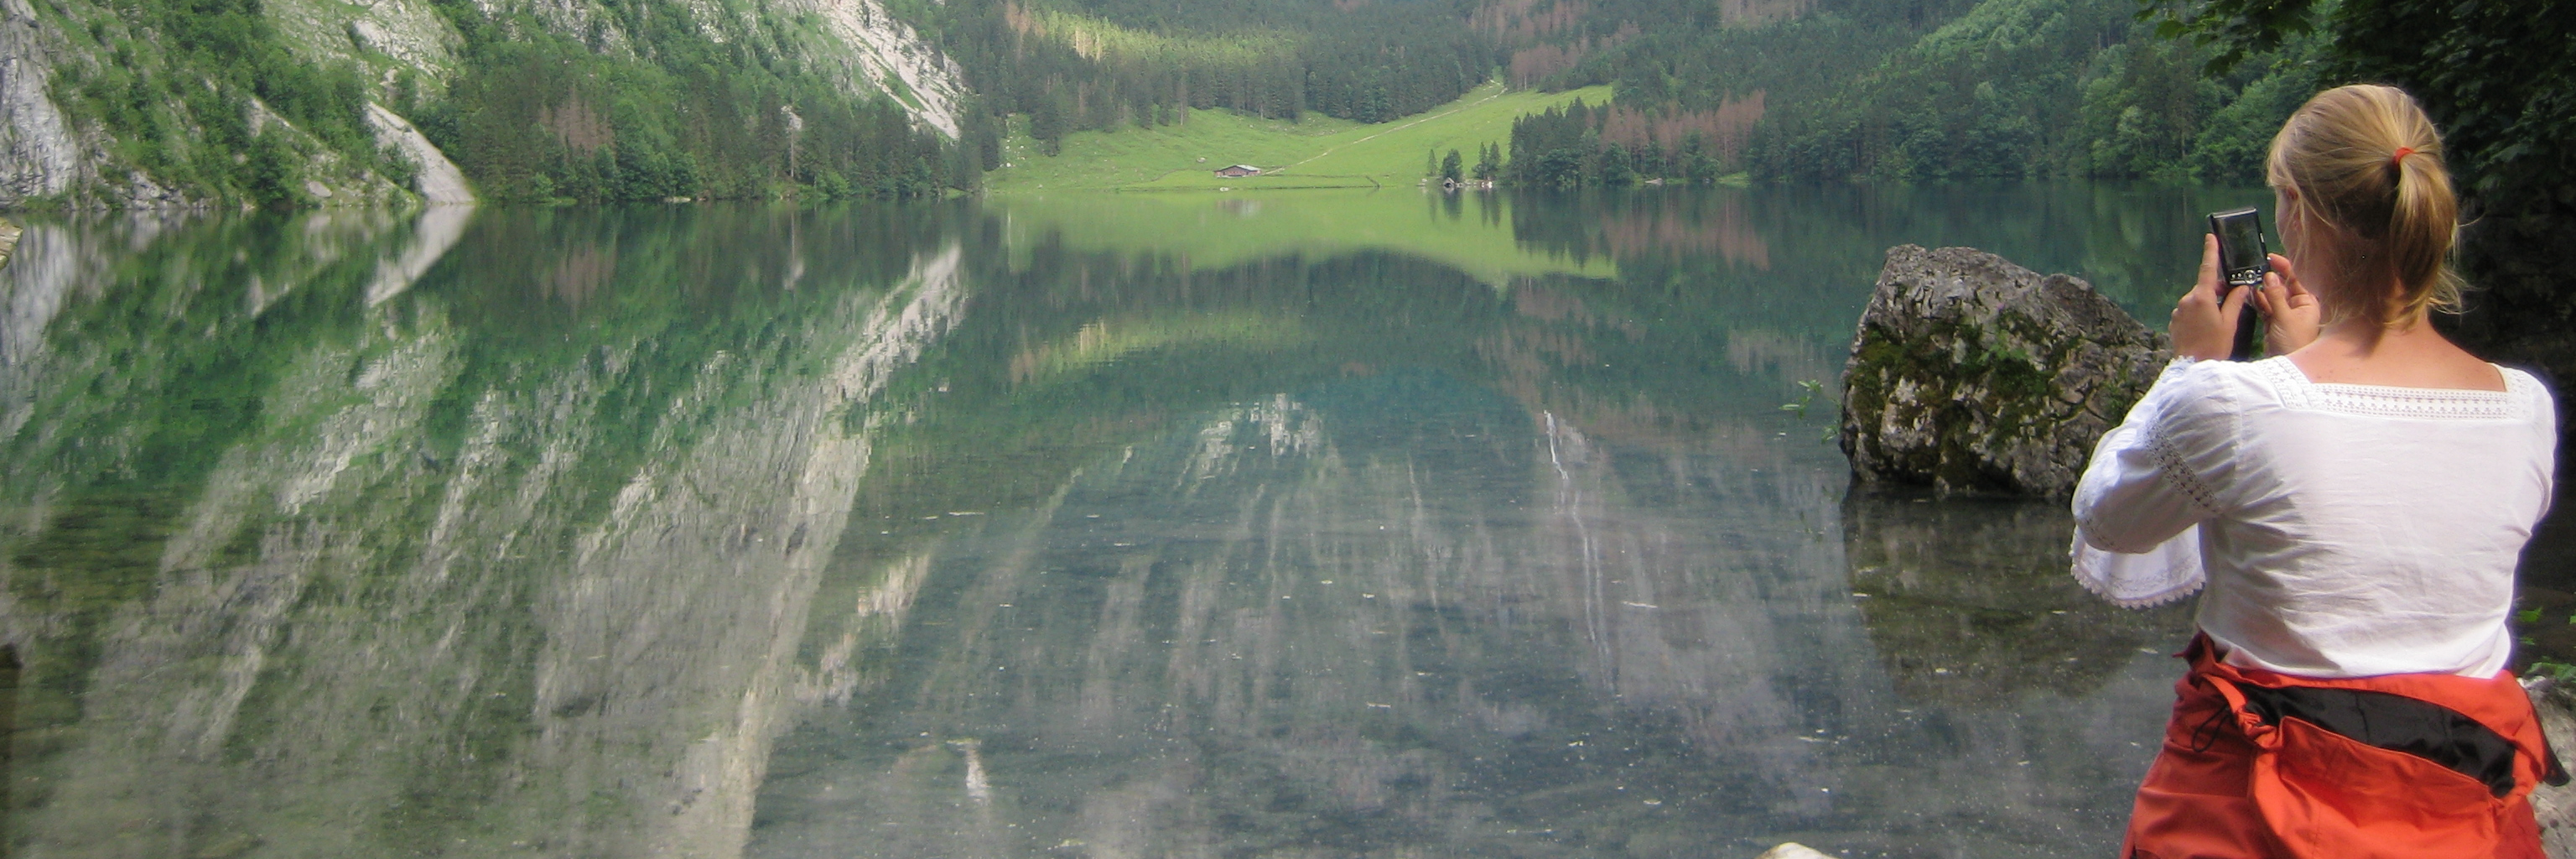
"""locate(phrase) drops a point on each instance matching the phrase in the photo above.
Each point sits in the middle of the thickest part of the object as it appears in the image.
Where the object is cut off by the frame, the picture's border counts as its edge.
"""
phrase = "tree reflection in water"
(934, 530)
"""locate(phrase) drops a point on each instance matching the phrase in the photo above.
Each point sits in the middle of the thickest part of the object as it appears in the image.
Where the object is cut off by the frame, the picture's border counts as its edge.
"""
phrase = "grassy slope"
(1319, 152)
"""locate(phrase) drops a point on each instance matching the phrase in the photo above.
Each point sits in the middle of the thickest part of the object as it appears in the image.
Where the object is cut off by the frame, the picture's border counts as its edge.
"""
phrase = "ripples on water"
(1319, 525)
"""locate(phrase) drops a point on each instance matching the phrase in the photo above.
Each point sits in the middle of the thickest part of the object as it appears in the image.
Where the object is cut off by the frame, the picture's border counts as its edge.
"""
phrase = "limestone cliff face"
(48, 151)
(39, 154)
(870, 49)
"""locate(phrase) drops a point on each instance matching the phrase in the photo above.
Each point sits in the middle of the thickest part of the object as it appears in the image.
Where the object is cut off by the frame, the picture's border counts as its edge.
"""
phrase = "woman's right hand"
(2204, 325)
(2292, 318)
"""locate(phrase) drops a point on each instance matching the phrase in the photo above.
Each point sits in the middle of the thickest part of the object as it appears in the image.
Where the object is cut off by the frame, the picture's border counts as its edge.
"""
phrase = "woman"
(2355, 506)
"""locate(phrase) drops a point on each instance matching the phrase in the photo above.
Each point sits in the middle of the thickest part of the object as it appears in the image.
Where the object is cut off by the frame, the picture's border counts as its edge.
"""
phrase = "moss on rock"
(1973, 375)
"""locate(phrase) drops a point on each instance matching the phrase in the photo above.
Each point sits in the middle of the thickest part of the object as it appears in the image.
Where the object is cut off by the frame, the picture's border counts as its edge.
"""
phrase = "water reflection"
(977, 529)
(1968, 601)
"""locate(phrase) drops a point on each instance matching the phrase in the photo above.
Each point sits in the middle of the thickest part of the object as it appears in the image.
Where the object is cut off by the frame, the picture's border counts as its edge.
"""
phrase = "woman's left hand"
(2204, 325)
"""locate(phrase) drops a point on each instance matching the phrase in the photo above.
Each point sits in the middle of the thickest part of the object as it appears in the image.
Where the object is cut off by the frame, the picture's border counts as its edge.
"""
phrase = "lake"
(1276, 525)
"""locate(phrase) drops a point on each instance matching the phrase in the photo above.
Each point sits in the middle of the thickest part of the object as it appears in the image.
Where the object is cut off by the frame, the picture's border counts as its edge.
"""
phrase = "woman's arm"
(2152, 481)
(2146, 481)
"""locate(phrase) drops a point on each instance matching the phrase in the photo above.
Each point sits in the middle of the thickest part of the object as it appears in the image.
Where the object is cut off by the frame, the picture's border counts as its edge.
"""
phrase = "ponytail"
(2367, 164)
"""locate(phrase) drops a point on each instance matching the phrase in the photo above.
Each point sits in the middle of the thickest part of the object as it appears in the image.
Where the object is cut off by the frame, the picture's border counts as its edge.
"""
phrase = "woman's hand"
(2291, 313)
(2204, 325)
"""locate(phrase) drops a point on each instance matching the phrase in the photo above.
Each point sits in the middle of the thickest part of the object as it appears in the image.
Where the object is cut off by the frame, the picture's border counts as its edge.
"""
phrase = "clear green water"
(1312, 526)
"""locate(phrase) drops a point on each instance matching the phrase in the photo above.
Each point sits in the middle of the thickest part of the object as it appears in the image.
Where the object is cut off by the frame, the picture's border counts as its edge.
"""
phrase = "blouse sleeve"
(2151, 482)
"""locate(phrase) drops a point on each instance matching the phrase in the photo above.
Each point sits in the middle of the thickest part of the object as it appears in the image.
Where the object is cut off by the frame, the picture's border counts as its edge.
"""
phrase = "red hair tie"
(2398, 159)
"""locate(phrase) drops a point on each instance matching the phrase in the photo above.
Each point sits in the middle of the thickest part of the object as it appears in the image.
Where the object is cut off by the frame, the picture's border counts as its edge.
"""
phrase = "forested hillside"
(1101, 64)
(1779, 89)
(1891, 89)
(300, 102)
(2045, 88)
(304, 102)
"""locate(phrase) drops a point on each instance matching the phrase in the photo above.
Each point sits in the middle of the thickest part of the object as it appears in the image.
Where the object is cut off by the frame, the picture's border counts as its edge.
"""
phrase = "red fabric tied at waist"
(2248, 771)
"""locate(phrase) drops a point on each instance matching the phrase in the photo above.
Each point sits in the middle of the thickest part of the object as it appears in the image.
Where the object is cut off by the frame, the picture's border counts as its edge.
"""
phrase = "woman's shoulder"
(2522, 384)
(2204, 386)
(2266, 373)
(2193, 398)
(2532, 395)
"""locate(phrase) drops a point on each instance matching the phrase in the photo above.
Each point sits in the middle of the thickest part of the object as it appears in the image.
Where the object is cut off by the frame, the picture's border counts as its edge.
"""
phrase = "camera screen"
(2240, 241)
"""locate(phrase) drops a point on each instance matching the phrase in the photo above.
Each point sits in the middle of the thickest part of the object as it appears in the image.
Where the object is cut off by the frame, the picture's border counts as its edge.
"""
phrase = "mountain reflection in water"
(934, 530)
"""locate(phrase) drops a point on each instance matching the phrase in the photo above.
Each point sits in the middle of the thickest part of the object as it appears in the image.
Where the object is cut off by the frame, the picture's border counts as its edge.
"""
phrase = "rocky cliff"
(133, 105)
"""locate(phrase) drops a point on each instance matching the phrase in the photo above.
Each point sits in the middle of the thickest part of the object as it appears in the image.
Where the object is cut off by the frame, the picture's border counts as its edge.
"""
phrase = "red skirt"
(2260, 765)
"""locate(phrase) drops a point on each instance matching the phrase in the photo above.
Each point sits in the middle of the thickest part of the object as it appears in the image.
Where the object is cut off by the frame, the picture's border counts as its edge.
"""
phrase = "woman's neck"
(2409, 354)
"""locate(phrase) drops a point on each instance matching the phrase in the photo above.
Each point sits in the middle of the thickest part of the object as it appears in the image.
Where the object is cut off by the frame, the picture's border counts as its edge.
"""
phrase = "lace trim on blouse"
(2179, 474)
(2298, 393)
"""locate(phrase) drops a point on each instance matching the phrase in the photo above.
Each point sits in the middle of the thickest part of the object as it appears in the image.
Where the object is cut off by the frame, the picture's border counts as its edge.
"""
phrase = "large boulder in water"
(1974, 375)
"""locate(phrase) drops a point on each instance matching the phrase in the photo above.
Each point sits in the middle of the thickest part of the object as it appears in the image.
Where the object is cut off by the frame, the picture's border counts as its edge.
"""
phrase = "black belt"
(2401, 724)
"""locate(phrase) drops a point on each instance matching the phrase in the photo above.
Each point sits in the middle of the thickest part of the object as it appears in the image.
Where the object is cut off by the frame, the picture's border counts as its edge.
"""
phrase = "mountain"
(304, 102)
(309, 102)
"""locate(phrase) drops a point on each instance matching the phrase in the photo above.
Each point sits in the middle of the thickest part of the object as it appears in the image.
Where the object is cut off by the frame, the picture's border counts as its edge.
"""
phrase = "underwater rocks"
(8, 240)
(1976, 376)
(1968, 601)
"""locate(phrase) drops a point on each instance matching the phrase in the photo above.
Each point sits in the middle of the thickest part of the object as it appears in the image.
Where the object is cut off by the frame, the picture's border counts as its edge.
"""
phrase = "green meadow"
(1317, 152)
(1470, 231)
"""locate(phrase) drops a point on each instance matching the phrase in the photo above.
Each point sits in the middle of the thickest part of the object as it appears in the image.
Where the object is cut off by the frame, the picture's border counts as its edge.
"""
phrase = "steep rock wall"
(38, 155)
(48, 152)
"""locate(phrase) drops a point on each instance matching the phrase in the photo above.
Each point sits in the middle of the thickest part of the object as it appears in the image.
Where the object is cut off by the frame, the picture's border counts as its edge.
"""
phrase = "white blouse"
(2342, 530)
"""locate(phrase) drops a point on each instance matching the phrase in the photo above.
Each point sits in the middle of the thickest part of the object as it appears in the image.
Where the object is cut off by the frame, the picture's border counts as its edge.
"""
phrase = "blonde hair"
(2367, 164)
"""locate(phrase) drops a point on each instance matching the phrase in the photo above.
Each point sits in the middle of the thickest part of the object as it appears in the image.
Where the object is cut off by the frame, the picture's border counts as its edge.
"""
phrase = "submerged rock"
(1974, 375)
(1968, 602)
(8, 240)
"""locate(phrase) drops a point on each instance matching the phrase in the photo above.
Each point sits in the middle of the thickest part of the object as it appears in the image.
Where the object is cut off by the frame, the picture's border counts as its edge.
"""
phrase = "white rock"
(38, 154)
(1793, 850)
(440, 181)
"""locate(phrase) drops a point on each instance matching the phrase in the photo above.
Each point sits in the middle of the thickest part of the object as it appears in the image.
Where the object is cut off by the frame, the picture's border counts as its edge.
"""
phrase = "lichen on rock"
(1976, 376)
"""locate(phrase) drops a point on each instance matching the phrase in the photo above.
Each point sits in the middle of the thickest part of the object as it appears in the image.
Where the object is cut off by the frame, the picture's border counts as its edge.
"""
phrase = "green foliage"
(1565, 148)
(2495, 76)
(543, 117)
(2236, 28)
(1100, 66)
(1688, 59)
(184, 90)
(1556, 148)
(173, 84)
(2018, 88)
(1809, 390)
